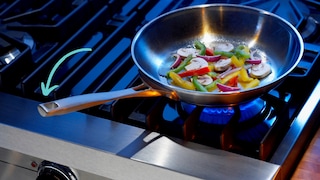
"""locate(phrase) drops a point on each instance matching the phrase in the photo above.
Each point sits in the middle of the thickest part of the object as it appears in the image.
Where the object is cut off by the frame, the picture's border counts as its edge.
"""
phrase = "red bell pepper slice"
(209, 52)
(195, 72)
(233, 82)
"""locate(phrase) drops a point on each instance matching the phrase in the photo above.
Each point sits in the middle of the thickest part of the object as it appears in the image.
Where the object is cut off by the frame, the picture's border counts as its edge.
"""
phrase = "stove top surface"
(36, 34)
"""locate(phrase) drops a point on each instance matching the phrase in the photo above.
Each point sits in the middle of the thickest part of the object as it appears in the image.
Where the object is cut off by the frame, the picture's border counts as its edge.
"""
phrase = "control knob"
(49, 170)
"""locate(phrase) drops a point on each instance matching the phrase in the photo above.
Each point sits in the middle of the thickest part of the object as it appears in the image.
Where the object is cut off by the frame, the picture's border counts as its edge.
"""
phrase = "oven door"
(14, 165)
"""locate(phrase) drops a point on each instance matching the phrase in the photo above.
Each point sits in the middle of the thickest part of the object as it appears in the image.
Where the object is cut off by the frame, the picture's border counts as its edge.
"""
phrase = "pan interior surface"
(275, 38)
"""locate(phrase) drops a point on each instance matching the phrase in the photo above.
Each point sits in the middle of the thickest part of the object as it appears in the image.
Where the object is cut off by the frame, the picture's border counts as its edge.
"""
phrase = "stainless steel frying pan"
(154, 43)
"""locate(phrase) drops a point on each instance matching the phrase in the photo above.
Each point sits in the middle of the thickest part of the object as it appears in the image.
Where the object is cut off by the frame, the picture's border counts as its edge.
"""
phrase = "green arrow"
(46, 89)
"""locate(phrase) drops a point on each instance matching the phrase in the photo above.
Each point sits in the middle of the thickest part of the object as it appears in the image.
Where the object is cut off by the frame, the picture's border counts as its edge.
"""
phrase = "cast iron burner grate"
(301, 14)
(253, 137)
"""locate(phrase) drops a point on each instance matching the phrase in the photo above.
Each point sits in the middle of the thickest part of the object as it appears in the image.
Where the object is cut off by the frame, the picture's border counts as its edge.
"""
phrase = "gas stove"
(140, 137)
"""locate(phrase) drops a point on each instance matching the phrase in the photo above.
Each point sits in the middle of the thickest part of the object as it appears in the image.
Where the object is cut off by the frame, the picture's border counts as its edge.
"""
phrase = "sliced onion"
(253, 61)
(226, 88)
(210, 58)
(228, 71)
(177, 62)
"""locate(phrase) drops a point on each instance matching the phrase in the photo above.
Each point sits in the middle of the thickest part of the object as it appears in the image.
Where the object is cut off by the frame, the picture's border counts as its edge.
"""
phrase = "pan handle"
(80, 102)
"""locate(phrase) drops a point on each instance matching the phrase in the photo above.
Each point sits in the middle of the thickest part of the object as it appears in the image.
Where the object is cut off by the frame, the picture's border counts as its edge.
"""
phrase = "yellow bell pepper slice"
(177, 80)
(230, 76)
(251, 84)
(211, 66)
(243, 76)
(237, 62)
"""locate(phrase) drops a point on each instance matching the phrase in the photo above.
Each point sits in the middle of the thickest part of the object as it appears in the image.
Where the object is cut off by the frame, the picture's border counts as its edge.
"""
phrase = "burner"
(241, 129)
(222, 115)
